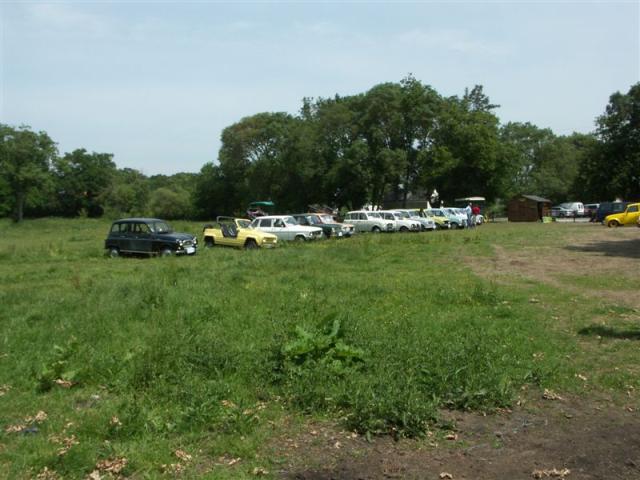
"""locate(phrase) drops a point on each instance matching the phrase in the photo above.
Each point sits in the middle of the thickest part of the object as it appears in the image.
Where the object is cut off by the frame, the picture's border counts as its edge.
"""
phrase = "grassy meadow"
(216, 354)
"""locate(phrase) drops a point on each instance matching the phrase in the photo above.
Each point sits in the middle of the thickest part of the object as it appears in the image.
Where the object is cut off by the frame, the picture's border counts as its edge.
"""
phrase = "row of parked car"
(612, 214)
(152, 236)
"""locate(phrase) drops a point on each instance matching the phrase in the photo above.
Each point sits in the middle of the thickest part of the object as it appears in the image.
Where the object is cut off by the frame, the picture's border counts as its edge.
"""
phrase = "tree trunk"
(405, 192)
(19, 211)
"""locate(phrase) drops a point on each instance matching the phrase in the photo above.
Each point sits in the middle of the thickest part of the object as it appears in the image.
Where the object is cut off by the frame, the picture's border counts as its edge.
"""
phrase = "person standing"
(475, 212)
(469, 214)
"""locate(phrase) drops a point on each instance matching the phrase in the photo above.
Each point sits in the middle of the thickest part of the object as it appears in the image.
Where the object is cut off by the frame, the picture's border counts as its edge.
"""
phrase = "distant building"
(528, 208)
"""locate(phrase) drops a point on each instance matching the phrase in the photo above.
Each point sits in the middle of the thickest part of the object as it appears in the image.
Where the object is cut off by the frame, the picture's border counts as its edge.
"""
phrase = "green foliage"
(170, 204)
(82, 180)
(327, 349)
(58, 366)
(25, 162)
(377, 333)
(610, 168)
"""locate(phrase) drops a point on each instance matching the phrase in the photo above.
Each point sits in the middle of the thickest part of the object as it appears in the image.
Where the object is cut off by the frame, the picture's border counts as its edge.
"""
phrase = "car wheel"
(376, 230)
(300, 239)
(208, 242)
(613, 223)
(404, 229)
(250, 244)
(166, 252)
(113, 252)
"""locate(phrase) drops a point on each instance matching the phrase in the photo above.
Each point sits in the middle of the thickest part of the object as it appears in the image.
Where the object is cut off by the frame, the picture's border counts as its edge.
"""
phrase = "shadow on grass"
(610, 332)
(624, 248)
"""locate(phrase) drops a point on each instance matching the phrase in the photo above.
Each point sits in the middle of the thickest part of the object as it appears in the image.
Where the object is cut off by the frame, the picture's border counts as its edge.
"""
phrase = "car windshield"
(290, 221)
(160, 227)
(375, 214)
(313, 220)
(327, 219)
(243, 223)
(403, 214)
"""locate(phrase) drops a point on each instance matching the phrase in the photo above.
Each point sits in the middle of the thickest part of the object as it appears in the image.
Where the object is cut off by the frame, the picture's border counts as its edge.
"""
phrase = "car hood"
(260, 234)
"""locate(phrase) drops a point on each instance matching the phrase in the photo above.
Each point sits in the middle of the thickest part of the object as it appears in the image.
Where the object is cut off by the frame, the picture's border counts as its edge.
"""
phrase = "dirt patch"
(592, 441)
(596, 251)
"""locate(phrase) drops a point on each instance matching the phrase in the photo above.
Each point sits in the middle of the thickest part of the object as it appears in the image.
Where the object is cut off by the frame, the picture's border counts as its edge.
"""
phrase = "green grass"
(207, 353)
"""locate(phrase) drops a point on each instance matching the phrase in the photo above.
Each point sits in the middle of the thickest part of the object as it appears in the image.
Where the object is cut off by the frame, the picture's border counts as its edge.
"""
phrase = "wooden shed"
(528, 208)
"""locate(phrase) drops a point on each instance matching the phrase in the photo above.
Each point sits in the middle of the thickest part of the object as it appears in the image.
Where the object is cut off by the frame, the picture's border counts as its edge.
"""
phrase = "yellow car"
(236, 232)
(630, 216)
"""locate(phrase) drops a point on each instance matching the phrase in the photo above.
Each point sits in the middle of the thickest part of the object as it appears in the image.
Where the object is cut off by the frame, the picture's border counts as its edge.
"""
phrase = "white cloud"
(63, 17)
(459, 41)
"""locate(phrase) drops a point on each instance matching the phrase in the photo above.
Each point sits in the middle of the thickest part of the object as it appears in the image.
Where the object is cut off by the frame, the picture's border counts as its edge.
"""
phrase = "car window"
(348, 216)
(362, 216)
(265, 222)
(278, 223)
(632, 209)
(140, 228)
(116, 228)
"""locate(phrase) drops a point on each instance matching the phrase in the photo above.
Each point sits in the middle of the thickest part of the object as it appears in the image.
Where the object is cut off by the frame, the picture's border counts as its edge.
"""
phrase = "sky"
(155, 83)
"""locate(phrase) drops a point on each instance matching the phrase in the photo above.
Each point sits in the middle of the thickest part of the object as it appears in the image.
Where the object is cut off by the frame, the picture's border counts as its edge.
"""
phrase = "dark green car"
(329, 226)
(148, 236)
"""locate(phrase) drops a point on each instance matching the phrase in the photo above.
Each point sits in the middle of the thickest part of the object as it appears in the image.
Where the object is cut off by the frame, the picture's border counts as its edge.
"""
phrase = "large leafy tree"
(468, 156)
(340, 152)
(128, 194)
(612, 168)
(420, 107)
(25, 165)
(251, 157)
(82, 179)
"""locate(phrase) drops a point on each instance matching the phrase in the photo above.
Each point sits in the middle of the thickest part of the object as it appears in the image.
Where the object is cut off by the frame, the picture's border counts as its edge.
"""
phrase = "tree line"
(396, 139)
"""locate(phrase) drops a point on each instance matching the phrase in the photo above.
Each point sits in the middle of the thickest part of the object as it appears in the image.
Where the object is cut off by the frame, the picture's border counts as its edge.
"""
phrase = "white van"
(576, 207)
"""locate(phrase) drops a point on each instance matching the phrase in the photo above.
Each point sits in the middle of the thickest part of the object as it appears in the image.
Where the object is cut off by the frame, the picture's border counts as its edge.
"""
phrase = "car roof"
(138, 219)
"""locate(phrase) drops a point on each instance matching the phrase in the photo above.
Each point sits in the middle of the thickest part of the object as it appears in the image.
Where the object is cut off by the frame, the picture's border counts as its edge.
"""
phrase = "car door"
(118, 236)
(264, 224)
(352, 218)
(366, 223)
(141, 239)
(631, 217)
(282, 230)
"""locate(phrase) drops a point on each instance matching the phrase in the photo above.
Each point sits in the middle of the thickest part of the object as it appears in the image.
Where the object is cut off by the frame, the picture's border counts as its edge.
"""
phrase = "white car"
(426, 223)
(285, 227)
(366, 221)
(457, 217)
(402, 224)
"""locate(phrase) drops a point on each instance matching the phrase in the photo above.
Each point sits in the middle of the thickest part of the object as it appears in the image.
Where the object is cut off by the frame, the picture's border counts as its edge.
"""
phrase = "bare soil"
(596, 251)
(573, 438)
(582, 440)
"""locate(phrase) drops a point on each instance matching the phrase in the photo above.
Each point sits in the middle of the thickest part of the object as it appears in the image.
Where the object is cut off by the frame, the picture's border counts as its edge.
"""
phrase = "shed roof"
(536, 198)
